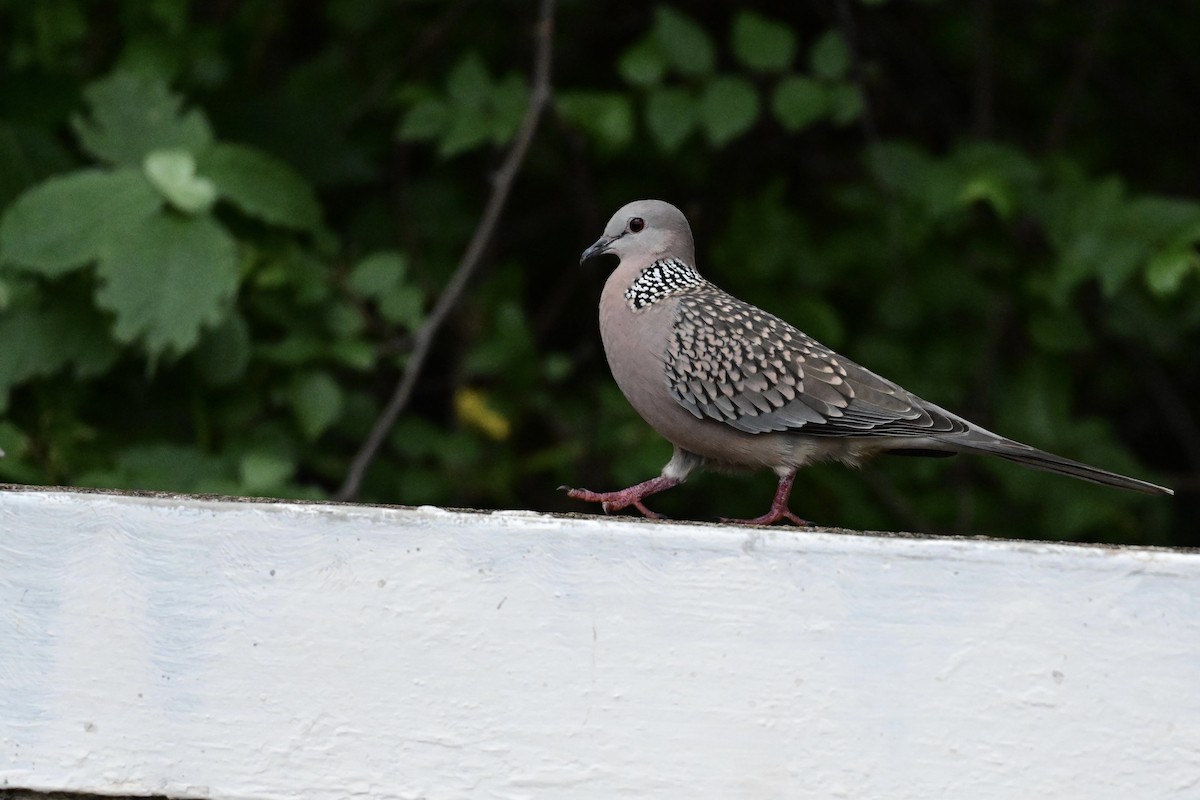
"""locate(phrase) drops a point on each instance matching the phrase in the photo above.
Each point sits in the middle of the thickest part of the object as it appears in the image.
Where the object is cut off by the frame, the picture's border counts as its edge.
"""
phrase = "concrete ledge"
(199, 647)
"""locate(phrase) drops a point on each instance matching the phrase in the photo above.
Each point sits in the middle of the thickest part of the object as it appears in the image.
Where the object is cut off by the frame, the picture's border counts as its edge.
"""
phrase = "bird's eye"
(636, 224)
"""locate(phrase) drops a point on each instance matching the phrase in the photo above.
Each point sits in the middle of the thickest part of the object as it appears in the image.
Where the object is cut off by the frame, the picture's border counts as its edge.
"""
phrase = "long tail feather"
(1040, 459)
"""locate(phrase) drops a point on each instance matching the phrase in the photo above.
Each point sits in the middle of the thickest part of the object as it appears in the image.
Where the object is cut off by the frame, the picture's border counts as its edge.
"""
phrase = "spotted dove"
(732, 386)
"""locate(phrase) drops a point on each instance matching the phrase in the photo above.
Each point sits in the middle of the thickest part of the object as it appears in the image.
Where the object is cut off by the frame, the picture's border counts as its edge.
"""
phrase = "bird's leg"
(615, 501)
(779, 506)
(675, 472)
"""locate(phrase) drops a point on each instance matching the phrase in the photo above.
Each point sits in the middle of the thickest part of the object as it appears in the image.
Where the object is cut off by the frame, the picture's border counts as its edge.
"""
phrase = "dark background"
(992, 203)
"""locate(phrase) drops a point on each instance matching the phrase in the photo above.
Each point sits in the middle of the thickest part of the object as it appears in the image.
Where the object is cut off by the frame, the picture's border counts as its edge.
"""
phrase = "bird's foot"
(779, 512)
(615, 501)
(770, 518)
(779, 507)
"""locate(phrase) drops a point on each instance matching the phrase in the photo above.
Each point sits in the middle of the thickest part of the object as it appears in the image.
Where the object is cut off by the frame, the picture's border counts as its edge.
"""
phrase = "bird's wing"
(732, 362)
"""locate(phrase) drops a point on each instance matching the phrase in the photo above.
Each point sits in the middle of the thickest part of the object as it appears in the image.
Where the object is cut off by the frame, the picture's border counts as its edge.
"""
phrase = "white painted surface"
(251, 650)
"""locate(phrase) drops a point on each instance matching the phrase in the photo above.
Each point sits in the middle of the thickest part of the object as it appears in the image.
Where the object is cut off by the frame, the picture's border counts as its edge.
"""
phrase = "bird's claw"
(640, 506)
(613, 501)
(770, 518)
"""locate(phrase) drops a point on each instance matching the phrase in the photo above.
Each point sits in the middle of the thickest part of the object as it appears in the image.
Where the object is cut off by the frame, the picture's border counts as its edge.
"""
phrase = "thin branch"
(502, 184)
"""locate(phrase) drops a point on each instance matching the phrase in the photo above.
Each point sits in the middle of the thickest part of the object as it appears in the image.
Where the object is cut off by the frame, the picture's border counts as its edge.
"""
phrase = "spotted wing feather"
(732, 362)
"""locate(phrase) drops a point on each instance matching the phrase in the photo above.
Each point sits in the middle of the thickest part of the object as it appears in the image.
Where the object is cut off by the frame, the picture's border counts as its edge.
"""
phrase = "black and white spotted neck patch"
(661, 279)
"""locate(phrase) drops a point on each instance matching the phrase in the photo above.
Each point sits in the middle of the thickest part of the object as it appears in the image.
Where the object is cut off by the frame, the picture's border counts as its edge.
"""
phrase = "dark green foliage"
(221, 226)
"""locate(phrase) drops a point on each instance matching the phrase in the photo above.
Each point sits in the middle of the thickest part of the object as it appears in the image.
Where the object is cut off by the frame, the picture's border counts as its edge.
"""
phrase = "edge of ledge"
(18, 488)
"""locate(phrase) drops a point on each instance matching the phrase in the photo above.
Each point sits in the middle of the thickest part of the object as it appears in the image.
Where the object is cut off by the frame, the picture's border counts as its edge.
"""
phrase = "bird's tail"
(1040, 459)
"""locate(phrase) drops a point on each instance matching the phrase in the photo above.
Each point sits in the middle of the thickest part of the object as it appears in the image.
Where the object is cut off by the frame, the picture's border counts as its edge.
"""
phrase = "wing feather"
(732, 362)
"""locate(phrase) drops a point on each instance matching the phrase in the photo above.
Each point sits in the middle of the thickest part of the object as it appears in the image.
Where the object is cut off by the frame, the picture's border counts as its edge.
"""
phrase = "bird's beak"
(601, 246)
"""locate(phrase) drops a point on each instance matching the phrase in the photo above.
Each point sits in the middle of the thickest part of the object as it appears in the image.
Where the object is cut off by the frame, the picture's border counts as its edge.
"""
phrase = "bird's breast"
(635, 338)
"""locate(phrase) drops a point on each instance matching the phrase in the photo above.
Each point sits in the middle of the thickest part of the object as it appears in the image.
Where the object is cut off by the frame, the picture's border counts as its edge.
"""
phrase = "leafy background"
(222, 224)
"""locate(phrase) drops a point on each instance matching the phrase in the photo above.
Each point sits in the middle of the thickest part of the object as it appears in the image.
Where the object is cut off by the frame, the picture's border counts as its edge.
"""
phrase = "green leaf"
(166, 467)
(469, 83)
(931, 184)
(40, 341)
(355, 354)
(173, 172)
(404, 305)
(295, 350)
(475, 110)
(995, 174)
(378, 274)
(380, 277)
(224, 352)
(898, 165)
(166, 278)
(265, 470)
(151, 55)
(480, 110)
(65, 222)
(427, 119)
(1166, 270)
(799, 102)
(469, 127)
(830, 57)
(1100, 234)
(557, 367)
(987, 189)
(684, 43)
(606, 116)
(846, 103)
(762, 44)
(308, 275)
(1160, 219)
(132, 115)
(506, 104)
(728, 108)
(343, 320)
(643, 64)
(1116, 266)
(671, 116)
(261, 185)
(316, 401)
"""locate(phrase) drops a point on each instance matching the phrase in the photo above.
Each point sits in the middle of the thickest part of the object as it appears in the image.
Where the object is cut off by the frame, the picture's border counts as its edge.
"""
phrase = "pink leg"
(615, 501)
(779, 507)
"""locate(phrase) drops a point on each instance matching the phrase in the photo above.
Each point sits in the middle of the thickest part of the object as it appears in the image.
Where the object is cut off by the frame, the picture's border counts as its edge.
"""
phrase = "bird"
(733, 387)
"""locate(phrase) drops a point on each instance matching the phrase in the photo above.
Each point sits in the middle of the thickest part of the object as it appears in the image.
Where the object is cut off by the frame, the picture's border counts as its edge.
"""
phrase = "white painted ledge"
(204, 648)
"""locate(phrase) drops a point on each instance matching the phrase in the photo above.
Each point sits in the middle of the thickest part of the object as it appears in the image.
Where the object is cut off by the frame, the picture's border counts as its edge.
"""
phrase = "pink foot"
(779, 507)
(770, 518)
(615, 501)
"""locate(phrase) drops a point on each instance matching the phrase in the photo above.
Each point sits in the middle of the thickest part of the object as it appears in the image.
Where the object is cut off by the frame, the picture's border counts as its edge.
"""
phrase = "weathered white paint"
(206, 648)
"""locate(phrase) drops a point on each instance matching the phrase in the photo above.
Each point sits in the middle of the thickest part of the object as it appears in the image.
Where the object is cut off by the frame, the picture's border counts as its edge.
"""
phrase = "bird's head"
(645, 230)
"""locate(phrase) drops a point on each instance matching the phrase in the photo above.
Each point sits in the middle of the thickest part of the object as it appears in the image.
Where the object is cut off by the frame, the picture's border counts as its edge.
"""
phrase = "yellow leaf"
(473, 410)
